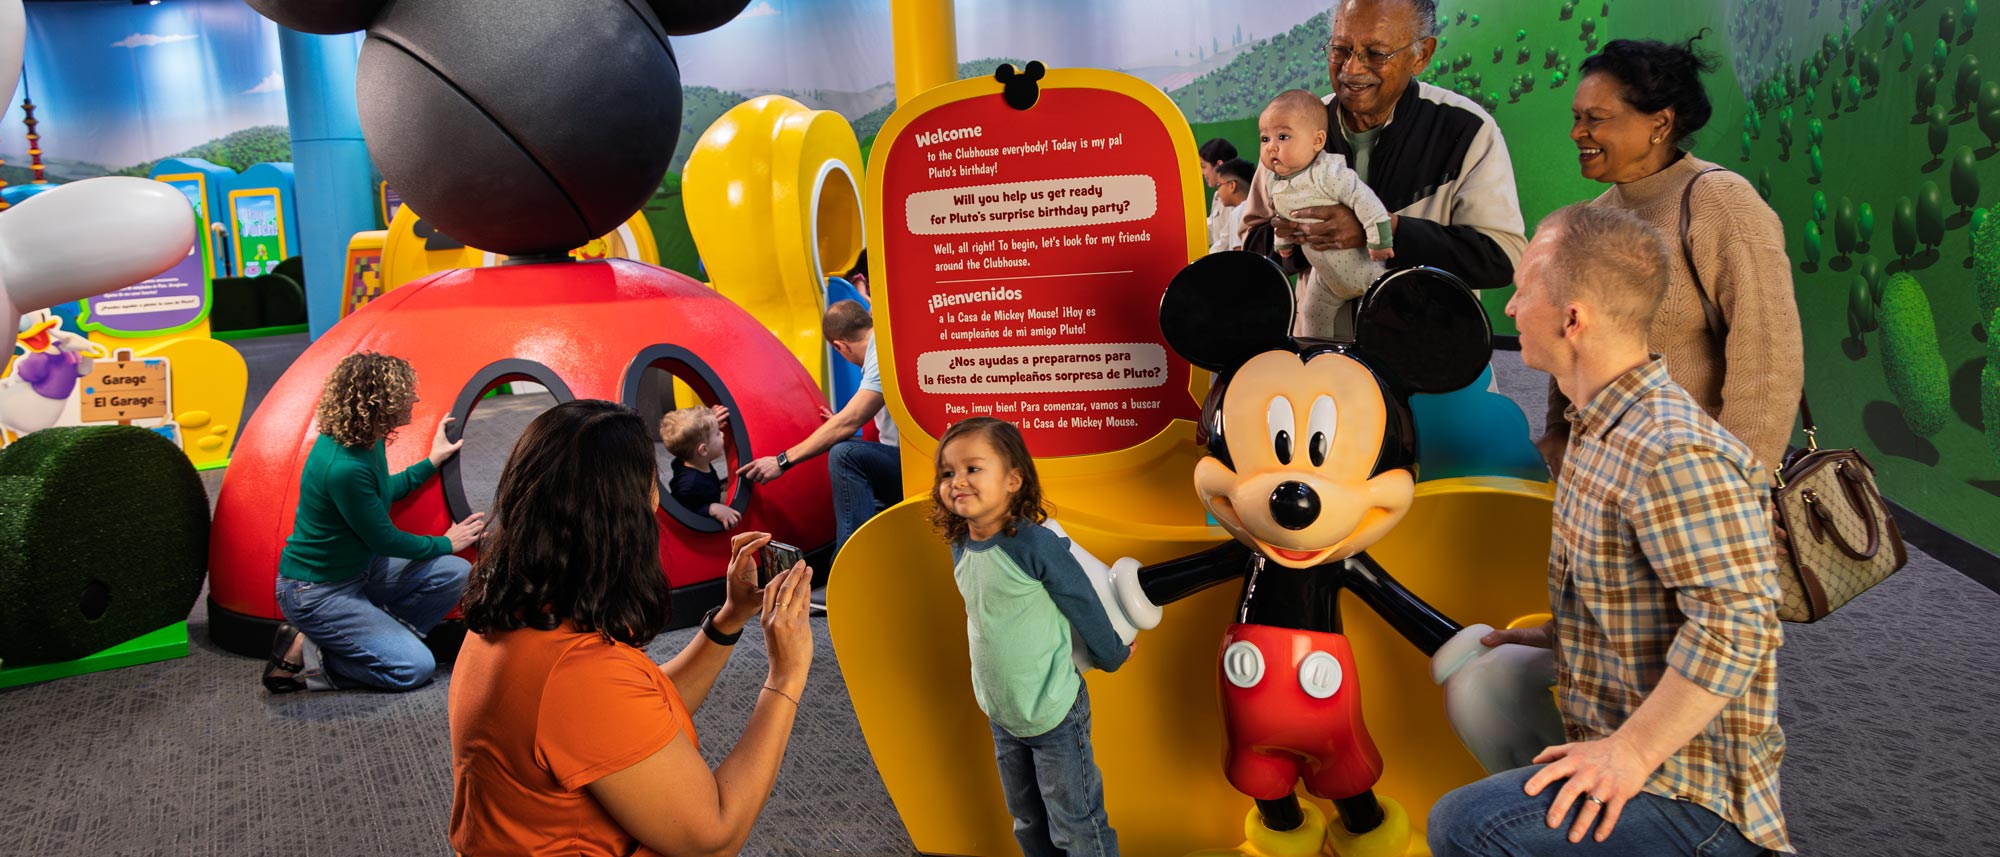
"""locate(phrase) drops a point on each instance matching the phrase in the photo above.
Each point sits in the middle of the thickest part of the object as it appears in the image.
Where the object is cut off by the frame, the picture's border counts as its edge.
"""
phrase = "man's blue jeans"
(367, 630)
(1053, 788)
(1495, 818)
(867, 478)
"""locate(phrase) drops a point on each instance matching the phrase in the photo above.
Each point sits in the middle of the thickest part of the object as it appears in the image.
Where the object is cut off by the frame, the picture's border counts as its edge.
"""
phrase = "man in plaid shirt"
(1661, 581)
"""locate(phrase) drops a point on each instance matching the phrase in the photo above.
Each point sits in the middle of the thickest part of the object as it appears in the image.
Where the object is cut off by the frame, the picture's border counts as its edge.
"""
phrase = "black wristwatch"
(784, 461)
(715, 634)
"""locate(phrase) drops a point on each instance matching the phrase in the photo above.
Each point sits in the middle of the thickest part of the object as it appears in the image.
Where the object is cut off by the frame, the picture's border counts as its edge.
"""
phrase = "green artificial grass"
(103, 538)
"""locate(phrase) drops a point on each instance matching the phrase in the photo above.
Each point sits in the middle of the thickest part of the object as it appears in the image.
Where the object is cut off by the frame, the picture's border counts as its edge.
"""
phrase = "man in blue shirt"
(867, 475)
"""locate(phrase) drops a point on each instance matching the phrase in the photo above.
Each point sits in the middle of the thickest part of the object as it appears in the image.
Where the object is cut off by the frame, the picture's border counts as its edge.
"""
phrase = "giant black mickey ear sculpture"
(1225, 308)
(323, 17)
(1423, 331)
(523, 127)
(688, 17)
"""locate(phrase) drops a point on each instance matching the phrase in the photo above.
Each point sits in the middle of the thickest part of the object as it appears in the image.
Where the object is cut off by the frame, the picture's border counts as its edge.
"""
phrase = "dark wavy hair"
(1656, 75)
(573, 535)
(1006, 440)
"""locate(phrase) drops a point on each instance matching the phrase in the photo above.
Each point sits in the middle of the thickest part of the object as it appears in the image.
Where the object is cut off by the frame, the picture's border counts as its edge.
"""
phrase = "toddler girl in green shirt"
(1025, 595)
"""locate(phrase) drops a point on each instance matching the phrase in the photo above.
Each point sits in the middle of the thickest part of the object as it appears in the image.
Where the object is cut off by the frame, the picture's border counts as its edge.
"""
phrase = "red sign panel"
(1026, 253)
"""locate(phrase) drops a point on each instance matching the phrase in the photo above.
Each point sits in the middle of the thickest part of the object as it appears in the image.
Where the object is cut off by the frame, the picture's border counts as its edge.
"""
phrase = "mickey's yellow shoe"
(1306, 840)
(1390, 839)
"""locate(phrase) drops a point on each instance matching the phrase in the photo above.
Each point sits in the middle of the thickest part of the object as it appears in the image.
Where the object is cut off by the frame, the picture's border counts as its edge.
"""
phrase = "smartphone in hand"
(774, 558)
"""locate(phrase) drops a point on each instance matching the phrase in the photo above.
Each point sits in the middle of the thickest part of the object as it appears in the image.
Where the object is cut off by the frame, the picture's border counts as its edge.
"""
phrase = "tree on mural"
(1861, 309)
(1989, 112)
(1965, 92)
(1845, 234)
(1864, 226)
(1812, 246)
(1964, 179)
(1930, 215)
(1912, 364)
(1940, 132)
(1903, 228)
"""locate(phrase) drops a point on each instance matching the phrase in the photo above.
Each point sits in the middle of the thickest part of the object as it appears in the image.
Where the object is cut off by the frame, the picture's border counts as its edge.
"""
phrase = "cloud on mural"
(148, 40)
(763, 9)
(273, 82)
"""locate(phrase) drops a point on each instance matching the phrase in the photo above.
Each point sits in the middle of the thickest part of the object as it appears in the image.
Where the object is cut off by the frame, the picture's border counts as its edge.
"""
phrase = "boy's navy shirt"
(694, 487)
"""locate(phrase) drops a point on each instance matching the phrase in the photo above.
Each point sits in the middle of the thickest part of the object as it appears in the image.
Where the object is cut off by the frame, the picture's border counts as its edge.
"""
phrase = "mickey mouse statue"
(1312, 459)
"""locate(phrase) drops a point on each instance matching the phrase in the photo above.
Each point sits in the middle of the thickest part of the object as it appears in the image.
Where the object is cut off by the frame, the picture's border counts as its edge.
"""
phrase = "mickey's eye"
(1282, 424)
(1319, 425)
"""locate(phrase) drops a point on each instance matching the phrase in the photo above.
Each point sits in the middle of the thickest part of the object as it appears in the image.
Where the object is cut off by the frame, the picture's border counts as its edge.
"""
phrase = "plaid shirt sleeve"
(1702, 524)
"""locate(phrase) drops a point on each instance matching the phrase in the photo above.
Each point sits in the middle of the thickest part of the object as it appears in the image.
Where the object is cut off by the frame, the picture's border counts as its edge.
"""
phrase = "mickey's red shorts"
(1292, 709)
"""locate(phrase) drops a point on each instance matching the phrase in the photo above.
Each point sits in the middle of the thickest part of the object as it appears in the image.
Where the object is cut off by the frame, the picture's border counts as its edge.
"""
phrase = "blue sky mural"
(117, 85)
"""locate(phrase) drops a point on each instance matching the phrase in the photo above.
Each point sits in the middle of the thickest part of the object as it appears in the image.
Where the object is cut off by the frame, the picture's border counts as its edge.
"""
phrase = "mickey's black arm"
(1418, 622)
(1175, 579)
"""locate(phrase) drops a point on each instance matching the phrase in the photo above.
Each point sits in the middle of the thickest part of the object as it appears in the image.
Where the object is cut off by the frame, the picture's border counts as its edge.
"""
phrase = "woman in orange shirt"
(565, 737)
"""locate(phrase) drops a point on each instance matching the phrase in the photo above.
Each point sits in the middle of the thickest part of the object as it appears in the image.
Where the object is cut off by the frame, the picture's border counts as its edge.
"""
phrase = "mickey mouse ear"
(323, 17)
(1225, 308)
(688, 17)
(1424, 330)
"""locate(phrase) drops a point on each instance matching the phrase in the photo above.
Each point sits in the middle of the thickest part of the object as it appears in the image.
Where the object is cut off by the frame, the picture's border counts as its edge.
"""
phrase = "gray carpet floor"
(1888, 706)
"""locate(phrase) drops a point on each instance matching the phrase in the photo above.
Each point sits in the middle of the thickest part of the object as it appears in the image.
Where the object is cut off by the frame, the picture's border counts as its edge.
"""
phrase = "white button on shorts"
(1319, 675)
(1242, 664)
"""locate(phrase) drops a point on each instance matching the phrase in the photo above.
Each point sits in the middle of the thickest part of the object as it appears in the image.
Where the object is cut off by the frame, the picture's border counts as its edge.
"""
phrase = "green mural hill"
(238, 150)
(1290, 60)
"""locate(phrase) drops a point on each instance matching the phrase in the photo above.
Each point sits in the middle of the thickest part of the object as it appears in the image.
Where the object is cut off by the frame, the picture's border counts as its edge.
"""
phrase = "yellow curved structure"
(1476, 548)
(773, 199)
(411, 250)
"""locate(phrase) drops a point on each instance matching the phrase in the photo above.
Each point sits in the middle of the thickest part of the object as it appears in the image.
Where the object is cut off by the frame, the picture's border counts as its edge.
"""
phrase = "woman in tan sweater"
(1636, 103)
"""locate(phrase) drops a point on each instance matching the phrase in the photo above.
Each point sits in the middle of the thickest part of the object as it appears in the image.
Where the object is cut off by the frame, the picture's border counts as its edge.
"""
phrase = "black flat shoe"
(281, 648)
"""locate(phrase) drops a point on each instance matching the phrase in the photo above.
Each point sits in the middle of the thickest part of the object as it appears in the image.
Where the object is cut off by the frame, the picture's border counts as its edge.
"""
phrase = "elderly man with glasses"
(1436, 160)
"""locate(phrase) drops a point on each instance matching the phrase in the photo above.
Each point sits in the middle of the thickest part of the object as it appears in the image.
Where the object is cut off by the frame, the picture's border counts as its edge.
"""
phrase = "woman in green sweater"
(358, 594)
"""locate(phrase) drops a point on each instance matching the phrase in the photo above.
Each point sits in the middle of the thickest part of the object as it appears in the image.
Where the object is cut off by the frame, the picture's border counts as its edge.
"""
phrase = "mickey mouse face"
(1312, 444)
(1304, 435)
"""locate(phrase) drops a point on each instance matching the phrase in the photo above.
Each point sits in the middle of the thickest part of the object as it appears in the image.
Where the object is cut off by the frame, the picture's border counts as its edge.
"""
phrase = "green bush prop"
(103, 537)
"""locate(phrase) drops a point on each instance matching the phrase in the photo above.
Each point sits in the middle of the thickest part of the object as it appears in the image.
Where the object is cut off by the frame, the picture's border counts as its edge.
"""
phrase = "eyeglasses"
(1372, 58)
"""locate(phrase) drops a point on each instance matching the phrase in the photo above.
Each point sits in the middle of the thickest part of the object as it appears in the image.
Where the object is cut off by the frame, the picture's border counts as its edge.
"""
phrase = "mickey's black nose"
(1294, 505)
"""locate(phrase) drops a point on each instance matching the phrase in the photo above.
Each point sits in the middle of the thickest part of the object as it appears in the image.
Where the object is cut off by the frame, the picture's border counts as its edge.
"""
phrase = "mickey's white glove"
(1497, 698)
(1117, 585)
(87, 238)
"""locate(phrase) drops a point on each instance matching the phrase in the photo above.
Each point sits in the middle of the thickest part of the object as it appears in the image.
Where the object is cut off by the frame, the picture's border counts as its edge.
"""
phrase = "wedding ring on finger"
(1595, 799)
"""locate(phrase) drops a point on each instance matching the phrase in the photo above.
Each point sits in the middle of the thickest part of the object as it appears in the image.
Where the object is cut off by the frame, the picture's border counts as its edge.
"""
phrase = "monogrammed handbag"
(1838, 532)
(1839, 537)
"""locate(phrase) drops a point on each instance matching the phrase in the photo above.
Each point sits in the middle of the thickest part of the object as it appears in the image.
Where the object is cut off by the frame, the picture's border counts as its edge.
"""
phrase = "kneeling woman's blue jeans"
(367, 630)
(1496, 818)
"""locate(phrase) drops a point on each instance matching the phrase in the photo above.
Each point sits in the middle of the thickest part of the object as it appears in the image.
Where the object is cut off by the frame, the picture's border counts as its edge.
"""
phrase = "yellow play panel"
(1476, 548)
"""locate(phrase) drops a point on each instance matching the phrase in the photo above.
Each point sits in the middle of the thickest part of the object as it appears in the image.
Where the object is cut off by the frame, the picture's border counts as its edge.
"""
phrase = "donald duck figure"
(41, 380)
